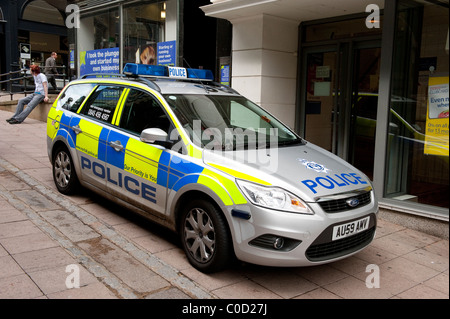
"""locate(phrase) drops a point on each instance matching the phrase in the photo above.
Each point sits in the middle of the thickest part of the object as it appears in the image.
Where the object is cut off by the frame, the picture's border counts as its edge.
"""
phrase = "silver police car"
(204, 161)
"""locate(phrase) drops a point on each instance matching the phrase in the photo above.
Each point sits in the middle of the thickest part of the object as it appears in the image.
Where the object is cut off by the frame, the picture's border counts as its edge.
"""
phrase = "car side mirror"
(153, 135)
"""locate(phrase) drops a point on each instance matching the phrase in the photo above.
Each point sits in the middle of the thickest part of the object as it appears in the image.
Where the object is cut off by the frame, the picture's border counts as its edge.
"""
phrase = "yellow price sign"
(436, 134)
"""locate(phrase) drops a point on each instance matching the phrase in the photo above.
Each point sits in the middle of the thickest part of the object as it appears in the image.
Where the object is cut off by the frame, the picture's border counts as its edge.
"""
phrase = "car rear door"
(138, 170)
(92, 128)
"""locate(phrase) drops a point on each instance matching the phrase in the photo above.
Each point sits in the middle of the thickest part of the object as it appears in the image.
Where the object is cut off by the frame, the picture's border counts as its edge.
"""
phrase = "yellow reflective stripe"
(194, 151)
(142, 160)
(119, 108)
(223, 187)
(53, 119)
(239, 175)
(87, 141)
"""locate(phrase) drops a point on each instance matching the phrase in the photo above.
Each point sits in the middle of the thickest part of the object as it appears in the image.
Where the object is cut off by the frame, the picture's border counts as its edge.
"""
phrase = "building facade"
(366, 80)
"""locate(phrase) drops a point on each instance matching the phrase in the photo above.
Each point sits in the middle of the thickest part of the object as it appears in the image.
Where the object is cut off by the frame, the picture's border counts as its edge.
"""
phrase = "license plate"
(350, 229)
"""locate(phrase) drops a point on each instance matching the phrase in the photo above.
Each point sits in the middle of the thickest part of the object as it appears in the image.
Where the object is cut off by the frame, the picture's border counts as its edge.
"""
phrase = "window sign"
(436, 137)
(25, 51)
(99, 61)
(72, 59)
(323, 71)
(225, 75)
(166, 53)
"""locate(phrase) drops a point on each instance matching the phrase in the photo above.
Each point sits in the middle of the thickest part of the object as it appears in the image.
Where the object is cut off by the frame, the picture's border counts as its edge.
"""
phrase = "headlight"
(273, 197)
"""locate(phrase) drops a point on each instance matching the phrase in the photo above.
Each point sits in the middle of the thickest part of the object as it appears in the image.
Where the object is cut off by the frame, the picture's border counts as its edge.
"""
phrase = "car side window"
(102, 103)
(140, 111)
(74, 95)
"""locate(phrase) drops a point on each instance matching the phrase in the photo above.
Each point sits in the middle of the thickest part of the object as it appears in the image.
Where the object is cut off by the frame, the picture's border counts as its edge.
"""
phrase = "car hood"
(306, 170)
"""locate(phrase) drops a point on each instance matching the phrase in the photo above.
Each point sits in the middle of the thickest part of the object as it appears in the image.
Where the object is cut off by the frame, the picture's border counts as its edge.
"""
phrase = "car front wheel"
(205, 237)
(64, 174)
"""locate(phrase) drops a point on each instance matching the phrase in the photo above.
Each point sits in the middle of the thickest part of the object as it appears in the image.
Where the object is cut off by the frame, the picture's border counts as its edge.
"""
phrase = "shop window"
(418, 141)
(99, 42)
(144, 27)
(100, 30)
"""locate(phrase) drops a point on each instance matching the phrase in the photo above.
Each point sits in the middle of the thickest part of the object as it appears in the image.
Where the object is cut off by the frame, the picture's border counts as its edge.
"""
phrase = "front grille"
(339, 205)
(341, 247)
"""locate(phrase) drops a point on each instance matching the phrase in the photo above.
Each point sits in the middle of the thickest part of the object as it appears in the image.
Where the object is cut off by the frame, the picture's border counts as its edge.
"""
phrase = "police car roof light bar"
(145, 70)
(157, 71)
(200, 74)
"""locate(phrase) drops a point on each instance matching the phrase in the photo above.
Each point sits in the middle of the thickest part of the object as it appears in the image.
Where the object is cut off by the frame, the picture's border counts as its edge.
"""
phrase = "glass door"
(339, 100)
(364, 104)
(322, 97)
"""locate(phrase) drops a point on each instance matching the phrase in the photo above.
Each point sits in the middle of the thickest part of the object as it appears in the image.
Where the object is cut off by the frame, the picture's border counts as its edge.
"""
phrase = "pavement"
(83, 247)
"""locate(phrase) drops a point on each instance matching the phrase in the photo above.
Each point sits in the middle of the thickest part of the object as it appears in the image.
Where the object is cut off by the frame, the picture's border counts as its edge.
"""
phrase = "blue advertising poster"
(99, 61)
(166, 53)
(225, 75)
(72, 59)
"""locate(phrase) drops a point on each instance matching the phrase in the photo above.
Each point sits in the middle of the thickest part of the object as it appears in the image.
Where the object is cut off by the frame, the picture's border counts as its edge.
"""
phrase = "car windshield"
(229, 122)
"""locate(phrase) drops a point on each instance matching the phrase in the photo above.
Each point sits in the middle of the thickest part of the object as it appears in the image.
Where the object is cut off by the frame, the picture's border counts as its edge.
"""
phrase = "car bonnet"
(306, 170)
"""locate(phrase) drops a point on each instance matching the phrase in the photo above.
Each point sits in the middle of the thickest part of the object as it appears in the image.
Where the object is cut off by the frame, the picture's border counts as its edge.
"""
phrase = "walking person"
(50, 69)
(31, 101)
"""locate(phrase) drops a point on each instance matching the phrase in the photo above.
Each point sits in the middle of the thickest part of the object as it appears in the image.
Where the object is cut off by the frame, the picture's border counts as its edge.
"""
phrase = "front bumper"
(274, 238)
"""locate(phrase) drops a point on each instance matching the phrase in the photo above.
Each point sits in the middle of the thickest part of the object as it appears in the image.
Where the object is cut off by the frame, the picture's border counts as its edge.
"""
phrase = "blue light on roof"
(200, 74)
(170, 72)
(145, 69)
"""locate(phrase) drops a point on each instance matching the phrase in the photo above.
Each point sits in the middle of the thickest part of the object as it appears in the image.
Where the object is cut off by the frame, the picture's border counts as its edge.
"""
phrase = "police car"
(204, 161)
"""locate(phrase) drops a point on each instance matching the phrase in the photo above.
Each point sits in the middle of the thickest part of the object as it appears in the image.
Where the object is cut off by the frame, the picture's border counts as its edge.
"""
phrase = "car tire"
(64, 174)
(205, 237)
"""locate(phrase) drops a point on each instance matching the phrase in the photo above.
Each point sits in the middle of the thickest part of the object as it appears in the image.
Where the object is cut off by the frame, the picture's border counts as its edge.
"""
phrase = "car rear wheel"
(205, 237)
(64, 174)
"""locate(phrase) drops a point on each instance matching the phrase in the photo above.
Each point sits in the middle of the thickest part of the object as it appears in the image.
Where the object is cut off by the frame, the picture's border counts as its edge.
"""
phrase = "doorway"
(339, 99)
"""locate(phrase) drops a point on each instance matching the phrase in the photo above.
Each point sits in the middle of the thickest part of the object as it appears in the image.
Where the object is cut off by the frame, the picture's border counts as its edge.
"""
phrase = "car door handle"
(117, 146)
(76, 129)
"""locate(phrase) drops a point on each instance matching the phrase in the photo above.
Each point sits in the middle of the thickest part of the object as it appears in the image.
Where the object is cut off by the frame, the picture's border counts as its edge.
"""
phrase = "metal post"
(382, 129)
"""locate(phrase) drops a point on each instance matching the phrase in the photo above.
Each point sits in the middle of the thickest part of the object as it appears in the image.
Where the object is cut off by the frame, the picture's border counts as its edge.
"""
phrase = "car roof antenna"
(203, 84)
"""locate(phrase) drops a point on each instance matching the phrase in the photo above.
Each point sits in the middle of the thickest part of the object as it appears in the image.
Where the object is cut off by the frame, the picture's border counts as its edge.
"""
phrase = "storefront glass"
(144, 27)
(103, 28)
(417, 167)
(340, 69)
(99, 42)
(138, 32)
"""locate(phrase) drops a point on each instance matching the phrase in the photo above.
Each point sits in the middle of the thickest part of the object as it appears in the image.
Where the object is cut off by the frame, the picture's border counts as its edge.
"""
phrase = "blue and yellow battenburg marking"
(159, 167)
